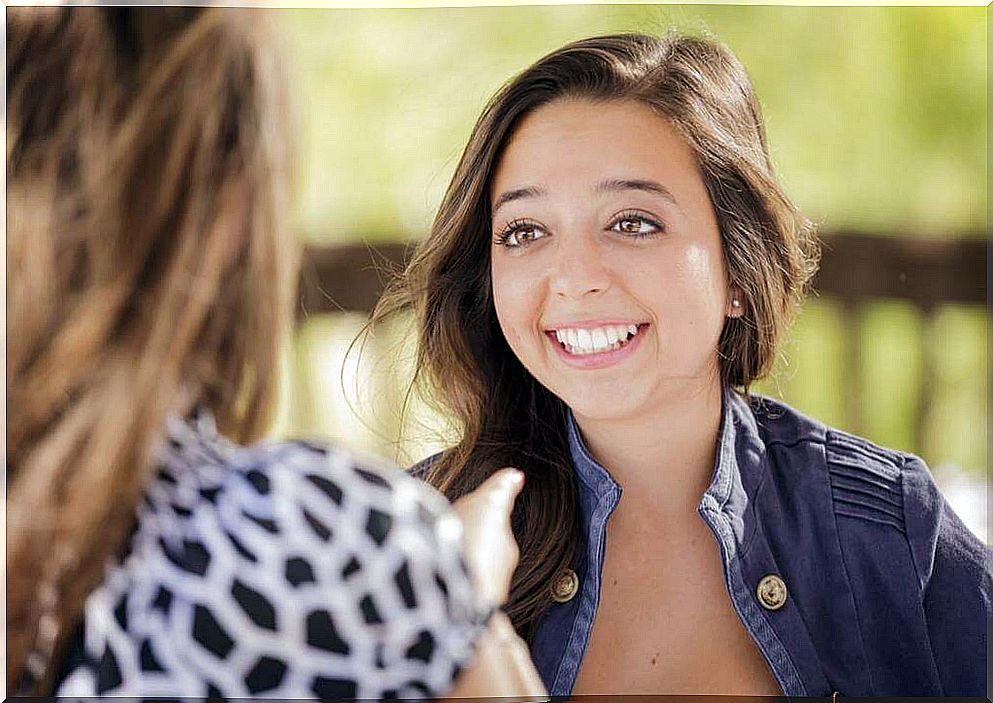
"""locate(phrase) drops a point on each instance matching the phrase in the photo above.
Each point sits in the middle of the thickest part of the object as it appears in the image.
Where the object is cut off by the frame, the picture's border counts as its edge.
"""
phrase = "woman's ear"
(736, 302)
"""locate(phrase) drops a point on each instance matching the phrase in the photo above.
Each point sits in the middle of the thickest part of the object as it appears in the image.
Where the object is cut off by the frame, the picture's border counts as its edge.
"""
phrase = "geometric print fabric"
(285, 570)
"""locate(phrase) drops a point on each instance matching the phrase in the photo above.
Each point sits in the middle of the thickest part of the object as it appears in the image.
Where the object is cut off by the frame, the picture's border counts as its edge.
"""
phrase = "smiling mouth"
(595, 340)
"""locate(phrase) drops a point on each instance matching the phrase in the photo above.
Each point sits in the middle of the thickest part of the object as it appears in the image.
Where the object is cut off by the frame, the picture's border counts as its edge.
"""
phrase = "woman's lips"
(587, 359)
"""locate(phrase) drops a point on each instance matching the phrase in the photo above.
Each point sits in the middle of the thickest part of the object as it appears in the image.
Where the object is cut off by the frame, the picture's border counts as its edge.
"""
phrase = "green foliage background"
(876, 120)
(876, 116)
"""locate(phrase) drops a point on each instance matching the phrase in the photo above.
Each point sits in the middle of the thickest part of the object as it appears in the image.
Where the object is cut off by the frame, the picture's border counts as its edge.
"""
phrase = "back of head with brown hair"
(148, 273)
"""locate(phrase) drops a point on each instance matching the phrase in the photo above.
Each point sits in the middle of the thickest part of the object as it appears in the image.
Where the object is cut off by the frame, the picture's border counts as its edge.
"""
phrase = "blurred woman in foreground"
(150, 275)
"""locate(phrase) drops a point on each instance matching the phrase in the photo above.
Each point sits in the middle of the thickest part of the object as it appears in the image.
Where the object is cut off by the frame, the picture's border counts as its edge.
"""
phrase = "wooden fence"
(856, 270)
(854, 267)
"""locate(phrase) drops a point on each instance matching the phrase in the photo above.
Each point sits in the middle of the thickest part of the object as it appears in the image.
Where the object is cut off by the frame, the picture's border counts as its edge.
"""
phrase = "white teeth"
(595, 340)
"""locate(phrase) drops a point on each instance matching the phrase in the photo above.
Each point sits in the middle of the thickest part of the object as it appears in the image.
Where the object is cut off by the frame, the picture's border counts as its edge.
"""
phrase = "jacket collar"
(739, 466)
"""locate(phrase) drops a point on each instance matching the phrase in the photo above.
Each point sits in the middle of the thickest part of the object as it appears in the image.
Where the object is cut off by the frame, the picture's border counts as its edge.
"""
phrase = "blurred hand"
(502, 665)
(490, 548)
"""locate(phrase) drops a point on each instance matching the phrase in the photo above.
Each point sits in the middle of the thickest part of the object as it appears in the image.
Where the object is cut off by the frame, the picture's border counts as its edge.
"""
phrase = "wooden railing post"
(852, 323)
(927, 386)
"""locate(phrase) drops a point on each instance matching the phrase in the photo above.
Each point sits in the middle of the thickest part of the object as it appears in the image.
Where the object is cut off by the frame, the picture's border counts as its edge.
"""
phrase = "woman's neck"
(664, 458)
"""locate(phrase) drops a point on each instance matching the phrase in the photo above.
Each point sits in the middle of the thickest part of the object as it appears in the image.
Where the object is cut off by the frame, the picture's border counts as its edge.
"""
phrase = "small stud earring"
(735, 303)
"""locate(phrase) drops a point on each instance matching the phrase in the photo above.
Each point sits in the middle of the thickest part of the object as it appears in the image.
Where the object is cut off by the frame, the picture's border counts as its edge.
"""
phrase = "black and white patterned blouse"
(282, 570)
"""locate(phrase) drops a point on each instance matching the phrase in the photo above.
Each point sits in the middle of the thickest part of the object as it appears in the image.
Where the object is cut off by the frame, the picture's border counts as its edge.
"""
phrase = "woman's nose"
(579, 268)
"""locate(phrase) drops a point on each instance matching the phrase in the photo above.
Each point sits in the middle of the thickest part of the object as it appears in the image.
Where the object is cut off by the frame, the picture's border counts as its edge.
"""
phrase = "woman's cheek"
(704, 276)
(508, 303)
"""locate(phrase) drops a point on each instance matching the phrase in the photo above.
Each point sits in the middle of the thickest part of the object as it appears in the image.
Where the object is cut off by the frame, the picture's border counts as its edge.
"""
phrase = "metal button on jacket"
(565, 587)
(771, 592)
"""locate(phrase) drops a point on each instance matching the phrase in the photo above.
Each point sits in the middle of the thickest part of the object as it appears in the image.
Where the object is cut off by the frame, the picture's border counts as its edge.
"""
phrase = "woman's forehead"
(582, 146)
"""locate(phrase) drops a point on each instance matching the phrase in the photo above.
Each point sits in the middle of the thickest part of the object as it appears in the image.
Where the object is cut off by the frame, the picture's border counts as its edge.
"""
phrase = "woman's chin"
(603, 402)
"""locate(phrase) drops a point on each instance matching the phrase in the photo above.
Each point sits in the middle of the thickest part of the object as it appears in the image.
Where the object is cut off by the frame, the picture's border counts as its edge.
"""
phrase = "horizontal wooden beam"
(854, 267)
(347, 278)
(926, 272)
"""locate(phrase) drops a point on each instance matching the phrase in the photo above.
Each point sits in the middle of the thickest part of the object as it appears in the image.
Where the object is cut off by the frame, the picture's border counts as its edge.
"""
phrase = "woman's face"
(608, 274)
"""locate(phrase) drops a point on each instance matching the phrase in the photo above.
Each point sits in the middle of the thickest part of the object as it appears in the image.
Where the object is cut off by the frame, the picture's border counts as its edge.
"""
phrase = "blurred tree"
(876, 116)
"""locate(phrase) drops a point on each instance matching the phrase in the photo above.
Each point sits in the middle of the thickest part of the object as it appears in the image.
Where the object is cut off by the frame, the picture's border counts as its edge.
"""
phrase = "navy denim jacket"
(889, 594)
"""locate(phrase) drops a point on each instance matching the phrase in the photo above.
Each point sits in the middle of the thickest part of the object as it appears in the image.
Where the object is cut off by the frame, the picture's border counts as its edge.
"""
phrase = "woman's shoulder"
(916, 572)
(798, 436)
(291, 488)
(201, 456)
(283, 568)
(873, 488)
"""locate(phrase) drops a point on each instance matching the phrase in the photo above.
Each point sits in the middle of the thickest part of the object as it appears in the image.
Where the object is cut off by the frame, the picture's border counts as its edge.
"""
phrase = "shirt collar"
(738, 466)
(591, 474)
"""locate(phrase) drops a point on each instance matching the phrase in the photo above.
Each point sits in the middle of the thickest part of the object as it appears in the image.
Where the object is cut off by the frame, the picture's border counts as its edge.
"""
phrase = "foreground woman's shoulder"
(288, 569)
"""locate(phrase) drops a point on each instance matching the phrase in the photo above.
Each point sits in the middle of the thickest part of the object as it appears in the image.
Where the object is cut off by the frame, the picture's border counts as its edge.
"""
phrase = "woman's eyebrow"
(615, 185)
(611, 185)
(518, 194)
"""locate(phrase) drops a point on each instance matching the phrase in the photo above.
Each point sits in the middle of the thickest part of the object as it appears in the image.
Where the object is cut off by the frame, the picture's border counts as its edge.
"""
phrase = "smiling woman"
(613, 265)
(626, 265)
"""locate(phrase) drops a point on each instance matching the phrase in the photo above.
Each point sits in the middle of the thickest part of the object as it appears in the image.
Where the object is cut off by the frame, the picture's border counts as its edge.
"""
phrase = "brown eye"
(630, 225)
(636, 226)
(528, 234)
(522, 236)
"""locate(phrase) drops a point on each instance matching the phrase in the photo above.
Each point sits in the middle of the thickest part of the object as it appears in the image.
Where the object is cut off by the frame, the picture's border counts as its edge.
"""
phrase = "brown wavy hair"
(148, 273)
(466, 368)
